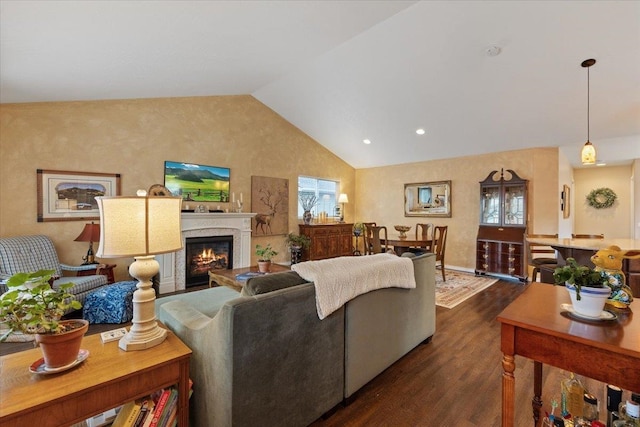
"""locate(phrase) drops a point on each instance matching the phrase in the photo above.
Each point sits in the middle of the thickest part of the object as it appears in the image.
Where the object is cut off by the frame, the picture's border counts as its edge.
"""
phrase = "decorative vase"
(307, 216)
(62, 349)
(591, 301)
(264, 266)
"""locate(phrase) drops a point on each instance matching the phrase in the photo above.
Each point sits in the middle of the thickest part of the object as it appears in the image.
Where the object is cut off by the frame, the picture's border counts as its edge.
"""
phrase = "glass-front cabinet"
(503, 217)
(502, 202)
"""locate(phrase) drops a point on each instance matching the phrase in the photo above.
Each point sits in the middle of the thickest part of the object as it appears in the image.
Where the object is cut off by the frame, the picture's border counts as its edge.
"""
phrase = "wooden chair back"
(539, 255)
(376, 243)
(424, 232)
(587, 236)
(439, 245)
(367, 236)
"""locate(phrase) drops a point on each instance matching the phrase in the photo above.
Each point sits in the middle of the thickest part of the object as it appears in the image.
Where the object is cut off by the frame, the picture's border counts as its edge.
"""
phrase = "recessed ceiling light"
(366, 141)
(600, 163)
(420, 131)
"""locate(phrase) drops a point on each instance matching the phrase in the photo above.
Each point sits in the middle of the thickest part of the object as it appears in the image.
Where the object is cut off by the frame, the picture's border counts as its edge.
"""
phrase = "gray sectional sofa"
(263, 357)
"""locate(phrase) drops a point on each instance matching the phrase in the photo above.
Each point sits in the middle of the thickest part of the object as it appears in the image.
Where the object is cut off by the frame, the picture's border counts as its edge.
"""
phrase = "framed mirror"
(428, 199)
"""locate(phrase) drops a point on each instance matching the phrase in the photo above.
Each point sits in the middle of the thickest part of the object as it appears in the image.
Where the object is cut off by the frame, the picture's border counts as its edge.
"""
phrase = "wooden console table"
(108, 378)
(534, 327)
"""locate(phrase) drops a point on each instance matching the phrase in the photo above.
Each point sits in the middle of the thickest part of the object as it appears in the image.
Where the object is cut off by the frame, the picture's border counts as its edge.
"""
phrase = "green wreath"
(601, 198)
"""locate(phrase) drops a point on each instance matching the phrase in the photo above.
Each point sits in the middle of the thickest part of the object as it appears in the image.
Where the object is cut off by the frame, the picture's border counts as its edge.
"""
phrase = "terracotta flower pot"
(264, 266)
(62, 349)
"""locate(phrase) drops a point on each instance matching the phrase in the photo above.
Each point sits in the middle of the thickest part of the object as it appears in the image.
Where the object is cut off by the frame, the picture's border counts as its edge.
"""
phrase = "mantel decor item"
(430, 199)
(141, 227)
(601, 198)
(70, 196)
(32, 306)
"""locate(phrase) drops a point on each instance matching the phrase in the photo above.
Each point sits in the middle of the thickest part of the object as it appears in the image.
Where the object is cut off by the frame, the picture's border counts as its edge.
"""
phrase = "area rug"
(459, 287)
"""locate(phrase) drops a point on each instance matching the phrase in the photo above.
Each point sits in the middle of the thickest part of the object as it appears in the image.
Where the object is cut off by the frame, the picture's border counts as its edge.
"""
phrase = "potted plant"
(587, 287)
(264, 257)
(296, 243)
(33, 306)
(358, 229)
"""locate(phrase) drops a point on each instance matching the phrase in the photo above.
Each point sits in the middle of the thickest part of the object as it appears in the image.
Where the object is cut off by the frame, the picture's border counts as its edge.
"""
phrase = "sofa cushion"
(271, 282)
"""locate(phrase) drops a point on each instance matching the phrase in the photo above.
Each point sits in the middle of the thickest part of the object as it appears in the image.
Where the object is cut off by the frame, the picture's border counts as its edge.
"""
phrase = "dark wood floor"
(453, 381)
(456, 379)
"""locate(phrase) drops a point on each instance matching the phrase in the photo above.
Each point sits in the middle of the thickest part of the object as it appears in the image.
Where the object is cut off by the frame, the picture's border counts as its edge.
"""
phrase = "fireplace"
(206, 253)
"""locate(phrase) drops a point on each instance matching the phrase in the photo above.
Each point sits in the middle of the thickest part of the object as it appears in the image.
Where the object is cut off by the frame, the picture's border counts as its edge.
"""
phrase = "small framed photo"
(70, 196)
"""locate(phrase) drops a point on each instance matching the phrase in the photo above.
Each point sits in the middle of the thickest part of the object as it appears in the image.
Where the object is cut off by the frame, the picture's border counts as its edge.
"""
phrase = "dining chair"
(587, 236)
(374, 240)
(540, 256)
(367, 236)
(424, 232)
(438, 245)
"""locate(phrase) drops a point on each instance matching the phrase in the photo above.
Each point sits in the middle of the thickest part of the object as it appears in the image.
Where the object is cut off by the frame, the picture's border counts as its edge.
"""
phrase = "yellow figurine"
(609, 262)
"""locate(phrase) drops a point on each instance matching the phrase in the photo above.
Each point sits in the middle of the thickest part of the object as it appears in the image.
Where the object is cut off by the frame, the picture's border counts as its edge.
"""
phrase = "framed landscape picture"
(70, 196)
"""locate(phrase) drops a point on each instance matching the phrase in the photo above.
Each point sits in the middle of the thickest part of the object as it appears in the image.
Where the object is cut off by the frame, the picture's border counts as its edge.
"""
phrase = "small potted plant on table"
(296, 244)
(33, 306)
(264, 257)
(589, 289)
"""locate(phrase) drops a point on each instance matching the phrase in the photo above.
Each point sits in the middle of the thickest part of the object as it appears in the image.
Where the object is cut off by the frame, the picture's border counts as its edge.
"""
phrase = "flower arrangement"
(601, 198)
(265, 253)
(32, 306)
(579, 276)
(307, 201)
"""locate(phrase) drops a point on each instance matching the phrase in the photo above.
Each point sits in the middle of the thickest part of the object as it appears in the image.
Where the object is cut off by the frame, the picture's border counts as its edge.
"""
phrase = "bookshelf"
(110, 377)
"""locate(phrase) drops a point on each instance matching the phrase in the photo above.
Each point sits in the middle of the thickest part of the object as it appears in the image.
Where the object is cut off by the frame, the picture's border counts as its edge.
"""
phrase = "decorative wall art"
(270, 201)
(601, 198)
(428, 199)
(565, 199)
(70, 196)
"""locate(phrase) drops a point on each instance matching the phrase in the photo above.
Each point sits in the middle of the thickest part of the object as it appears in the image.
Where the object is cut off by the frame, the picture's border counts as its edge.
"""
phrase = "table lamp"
(141, 227)
(342, 199)
(90, 233)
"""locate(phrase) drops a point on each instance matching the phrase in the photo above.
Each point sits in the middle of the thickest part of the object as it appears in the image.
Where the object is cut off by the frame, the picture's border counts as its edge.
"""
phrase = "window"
(326, 193)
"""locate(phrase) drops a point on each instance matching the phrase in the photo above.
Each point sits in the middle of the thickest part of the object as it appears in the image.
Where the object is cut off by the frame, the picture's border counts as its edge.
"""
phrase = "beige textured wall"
(614, 222)
(134, 138)
(380, 194)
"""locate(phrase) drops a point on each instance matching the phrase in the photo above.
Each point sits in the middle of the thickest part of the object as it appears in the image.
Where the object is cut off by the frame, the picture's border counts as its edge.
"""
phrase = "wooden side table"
(108, 378)
(227, 277)
(105, 269)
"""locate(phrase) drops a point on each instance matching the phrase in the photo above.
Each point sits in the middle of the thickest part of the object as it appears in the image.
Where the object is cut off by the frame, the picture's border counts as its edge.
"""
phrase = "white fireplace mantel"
(238, 225)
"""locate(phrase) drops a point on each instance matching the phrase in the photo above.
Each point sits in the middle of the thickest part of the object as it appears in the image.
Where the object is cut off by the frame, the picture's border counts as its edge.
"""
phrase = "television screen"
(197, 183)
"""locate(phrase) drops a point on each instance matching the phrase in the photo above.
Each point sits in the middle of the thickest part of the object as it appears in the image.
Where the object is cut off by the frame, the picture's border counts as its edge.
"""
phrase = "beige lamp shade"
(343, 198)
(135, 226)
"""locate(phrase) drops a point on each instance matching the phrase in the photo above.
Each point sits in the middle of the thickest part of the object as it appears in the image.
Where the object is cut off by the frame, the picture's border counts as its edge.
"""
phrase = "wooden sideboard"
(328, 240)
(501, 250)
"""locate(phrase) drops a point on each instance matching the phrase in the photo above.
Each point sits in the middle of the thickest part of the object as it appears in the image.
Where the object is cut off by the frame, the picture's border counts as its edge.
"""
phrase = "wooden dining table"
(402, 245)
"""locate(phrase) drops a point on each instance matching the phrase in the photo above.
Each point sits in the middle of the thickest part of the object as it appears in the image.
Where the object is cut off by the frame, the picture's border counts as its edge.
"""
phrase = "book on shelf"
(128, 414)
(147, 407)
(159, 408)
(172, 404)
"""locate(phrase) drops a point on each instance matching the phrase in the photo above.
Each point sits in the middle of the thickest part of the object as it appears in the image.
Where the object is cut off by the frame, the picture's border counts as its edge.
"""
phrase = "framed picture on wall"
(70, 196)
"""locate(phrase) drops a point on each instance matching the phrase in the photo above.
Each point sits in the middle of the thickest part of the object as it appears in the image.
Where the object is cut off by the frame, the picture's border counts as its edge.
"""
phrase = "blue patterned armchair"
(25, 254)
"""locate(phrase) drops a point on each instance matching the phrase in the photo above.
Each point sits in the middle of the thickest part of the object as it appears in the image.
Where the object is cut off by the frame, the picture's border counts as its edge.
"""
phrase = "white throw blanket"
(338, 280)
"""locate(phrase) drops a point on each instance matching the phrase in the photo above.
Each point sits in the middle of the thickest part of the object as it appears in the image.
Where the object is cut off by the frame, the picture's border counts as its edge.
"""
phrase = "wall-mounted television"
(197, 183)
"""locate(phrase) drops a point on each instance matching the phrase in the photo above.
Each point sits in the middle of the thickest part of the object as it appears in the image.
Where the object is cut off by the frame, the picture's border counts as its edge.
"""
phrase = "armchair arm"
(67, 267)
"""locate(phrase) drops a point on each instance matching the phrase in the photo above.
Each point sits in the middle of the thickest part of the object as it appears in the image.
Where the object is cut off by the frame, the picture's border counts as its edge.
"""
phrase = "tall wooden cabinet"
(328, 240)
(500, 245)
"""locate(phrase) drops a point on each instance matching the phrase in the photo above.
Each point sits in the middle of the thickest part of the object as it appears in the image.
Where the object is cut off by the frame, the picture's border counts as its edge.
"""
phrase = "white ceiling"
(343, 71)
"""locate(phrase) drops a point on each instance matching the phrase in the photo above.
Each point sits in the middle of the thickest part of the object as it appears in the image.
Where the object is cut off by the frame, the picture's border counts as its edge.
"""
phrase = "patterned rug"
(459, 287)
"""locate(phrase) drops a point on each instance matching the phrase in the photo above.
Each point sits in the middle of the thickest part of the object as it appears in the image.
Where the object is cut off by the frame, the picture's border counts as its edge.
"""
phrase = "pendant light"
(588, 154)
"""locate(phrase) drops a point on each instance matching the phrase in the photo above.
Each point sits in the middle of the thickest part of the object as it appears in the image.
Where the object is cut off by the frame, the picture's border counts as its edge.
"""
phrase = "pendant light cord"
(588, 105)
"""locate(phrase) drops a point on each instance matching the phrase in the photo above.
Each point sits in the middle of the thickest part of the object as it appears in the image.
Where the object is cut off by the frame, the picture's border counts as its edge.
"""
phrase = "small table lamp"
(342, 199)
(140, 227)
(90, 233)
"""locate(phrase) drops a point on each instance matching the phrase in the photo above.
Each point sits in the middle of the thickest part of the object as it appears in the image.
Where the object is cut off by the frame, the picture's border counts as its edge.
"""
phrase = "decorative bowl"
(402, 229)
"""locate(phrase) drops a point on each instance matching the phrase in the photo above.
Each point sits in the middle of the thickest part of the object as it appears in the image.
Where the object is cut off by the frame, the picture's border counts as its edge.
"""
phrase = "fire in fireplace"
(204, 254)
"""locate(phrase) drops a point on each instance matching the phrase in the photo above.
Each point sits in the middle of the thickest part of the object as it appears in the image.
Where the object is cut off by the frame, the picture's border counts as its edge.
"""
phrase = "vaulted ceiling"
(345, 71)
